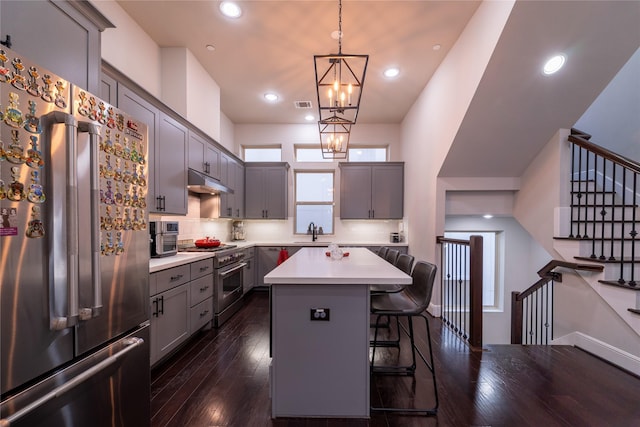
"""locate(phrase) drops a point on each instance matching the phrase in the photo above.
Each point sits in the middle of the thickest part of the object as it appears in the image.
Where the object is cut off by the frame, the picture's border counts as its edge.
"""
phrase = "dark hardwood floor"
(221, 378)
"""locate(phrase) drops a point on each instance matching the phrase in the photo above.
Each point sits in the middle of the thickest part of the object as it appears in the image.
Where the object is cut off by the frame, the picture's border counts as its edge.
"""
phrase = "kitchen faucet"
(314, 232)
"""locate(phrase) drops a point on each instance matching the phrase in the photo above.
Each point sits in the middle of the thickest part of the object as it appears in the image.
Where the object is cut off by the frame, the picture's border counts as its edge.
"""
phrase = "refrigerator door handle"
(130, 344)
(65, 284)
(87, 313)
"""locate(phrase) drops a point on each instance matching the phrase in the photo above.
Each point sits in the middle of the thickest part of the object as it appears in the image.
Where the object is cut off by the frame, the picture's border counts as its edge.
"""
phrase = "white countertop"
(311, 266)
(181, 258)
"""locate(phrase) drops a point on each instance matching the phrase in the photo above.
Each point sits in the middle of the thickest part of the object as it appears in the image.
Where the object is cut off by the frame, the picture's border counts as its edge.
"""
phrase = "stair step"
(624, 285)
(607, 260)
(604, 205)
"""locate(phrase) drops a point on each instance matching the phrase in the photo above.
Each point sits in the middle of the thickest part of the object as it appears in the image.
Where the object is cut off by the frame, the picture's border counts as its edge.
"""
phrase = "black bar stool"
(411, 302)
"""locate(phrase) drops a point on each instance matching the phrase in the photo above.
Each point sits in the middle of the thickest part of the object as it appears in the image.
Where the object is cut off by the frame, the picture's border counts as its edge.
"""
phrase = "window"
(314, 201)
(490, 297)
(270, 153)
(308, 153)
(368, 154)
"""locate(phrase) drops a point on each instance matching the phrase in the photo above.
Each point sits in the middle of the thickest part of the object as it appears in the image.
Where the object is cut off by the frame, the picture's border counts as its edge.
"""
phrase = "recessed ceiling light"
(309, 117)
(230, 9)
(553, 64)
(271, 97)
(436, 47)
(391, 72)
(487, 216)
(211, 47)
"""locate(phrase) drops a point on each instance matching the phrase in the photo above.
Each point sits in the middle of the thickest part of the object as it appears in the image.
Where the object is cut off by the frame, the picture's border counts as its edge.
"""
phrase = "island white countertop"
(311, 266)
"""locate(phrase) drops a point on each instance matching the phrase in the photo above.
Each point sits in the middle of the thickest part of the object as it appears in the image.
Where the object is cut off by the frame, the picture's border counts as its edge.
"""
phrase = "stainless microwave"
(163, 238)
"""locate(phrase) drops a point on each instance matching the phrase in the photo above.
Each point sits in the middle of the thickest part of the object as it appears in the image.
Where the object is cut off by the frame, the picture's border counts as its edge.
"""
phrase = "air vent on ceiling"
(302, 104)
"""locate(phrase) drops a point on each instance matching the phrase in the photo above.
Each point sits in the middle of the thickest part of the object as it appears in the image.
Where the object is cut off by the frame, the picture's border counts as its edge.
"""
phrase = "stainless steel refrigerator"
(74, 255)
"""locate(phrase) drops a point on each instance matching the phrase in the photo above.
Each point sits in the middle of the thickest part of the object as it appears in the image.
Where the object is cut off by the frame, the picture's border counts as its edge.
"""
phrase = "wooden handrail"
(581, 139)
(546, 274)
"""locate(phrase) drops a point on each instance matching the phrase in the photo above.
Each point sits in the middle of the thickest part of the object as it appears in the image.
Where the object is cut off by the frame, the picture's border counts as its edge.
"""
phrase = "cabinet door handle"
(176, 277)
(159, 203)
(373, 213)
(155, 310)
(161, 311)
(204, 288)
(205, 268)
(204, 313)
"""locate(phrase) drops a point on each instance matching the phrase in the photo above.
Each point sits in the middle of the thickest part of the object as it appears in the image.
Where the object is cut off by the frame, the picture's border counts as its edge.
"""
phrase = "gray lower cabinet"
(61, 36)
(268, 259)
(266, 187)
(371, 190)
(170, 174)
(181, 304)
(170, 314)
(203, 156)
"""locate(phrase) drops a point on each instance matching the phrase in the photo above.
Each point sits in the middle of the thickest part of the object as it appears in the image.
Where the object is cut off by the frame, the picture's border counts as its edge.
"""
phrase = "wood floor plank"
(221, 378)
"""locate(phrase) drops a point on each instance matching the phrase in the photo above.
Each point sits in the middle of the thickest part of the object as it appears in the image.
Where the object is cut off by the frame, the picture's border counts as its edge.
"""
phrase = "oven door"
(228, 285)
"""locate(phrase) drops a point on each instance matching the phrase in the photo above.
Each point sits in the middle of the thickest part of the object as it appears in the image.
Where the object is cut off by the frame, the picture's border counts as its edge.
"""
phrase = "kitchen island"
(320, 331)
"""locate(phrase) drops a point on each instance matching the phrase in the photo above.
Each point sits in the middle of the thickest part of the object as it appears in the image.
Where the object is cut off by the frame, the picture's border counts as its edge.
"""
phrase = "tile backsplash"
(276, 231)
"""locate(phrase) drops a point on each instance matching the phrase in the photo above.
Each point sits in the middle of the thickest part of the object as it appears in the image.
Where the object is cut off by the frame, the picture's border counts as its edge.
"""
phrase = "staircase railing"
(532, 310)
(604, 205)
(461, 284)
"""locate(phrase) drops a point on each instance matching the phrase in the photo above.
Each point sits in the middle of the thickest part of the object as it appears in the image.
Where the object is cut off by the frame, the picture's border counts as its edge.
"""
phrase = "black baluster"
(613, 212)
(603, 210)
(572, 180)
(633, 232)
(579, 194)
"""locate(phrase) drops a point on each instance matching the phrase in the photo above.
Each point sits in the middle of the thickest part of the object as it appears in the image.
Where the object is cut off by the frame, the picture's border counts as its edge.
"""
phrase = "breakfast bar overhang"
(320, 331)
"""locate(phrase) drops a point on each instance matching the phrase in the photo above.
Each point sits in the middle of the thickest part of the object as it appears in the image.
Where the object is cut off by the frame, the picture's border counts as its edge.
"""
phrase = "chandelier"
(339, 83)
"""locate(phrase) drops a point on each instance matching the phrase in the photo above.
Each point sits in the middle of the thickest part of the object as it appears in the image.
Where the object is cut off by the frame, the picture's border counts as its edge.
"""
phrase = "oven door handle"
(233, 270)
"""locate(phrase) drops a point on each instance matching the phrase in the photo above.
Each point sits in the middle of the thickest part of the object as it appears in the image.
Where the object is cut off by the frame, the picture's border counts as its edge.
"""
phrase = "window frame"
(368, 147)
(261, 147)
(331, 203)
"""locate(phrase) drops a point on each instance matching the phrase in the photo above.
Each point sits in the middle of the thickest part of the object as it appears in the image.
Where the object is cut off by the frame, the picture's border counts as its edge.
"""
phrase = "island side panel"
(320, 368)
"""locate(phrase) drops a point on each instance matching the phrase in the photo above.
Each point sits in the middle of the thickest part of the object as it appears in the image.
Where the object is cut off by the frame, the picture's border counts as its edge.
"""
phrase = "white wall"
(612, 119)
(430, 126)
(173, 75)
(129, 49)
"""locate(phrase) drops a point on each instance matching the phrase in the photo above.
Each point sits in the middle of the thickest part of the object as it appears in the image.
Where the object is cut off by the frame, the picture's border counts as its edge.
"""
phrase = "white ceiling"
(514, 112)
(271, 47)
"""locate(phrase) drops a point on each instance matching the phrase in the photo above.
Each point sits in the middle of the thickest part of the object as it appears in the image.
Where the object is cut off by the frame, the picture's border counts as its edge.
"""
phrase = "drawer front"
(172, 277)
(201, 268)
(201, 289)
(201, 314)
(249, 252)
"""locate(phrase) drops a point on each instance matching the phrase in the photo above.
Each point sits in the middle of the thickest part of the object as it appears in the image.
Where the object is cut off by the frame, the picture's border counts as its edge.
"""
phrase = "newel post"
(475, 284)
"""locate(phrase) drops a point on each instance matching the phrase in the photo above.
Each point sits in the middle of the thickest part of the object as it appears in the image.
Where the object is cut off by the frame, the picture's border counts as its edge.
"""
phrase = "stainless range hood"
(201, 183)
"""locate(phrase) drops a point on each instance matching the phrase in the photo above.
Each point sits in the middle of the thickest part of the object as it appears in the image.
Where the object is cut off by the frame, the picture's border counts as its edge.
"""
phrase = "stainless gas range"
(227, 280)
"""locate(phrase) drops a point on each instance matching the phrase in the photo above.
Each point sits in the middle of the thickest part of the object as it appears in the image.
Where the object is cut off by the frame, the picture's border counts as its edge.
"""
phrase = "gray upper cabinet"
(266, 186)
(132, 103)
(109, 89)
(61, 36)
(232, 175)
(371, 190)
(203, 156)
(171, 167)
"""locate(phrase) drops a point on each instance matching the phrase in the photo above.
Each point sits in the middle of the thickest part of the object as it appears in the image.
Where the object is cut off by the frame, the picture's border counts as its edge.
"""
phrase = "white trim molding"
(616, 356)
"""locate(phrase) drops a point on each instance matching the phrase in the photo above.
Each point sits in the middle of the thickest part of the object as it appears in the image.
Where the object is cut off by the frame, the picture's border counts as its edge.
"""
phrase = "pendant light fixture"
(339, 83)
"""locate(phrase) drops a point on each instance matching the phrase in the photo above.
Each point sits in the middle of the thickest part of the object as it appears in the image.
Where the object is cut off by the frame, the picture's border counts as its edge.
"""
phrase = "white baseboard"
(601, 349)
(434, 310)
